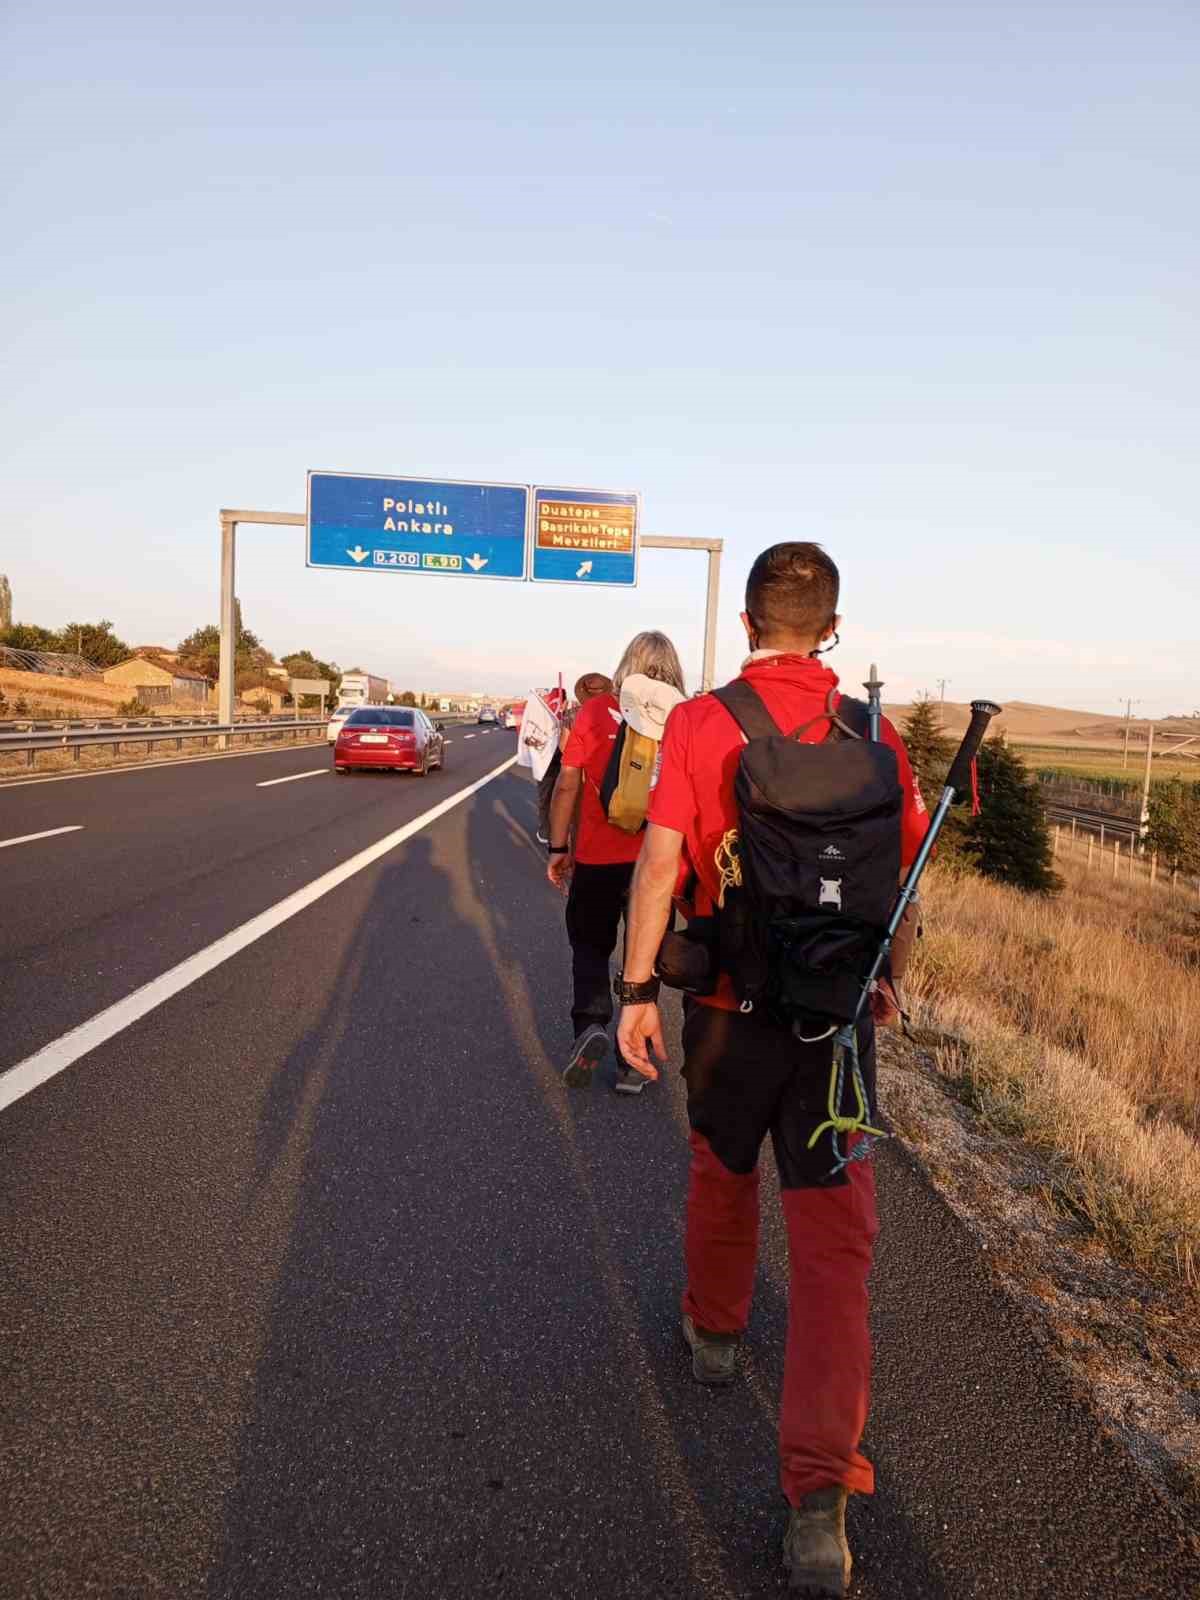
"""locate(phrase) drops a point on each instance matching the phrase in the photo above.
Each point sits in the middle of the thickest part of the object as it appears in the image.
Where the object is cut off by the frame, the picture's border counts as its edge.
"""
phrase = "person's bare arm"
(567, 793)
(646, 921)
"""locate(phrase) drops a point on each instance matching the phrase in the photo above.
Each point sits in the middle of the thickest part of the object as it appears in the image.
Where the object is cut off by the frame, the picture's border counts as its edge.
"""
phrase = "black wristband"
(635, 994)
(557, 849)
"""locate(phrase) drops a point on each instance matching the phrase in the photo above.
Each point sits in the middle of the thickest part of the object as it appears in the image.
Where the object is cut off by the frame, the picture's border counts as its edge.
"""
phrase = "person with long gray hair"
(594, 870)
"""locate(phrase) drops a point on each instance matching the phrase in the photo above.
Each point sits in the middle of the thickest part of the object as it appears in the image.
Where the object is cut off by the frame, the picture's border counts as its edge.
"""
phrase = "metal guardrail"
(77, 739)
(67, 724)
(28, 737)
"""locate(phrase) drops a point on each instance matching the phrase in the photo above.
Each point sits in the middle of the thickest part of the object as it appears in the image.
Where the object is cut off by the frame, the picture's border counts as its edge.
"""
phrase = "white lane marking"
(27, 838)
(468, 735)
(48, 1062)
(293, 777)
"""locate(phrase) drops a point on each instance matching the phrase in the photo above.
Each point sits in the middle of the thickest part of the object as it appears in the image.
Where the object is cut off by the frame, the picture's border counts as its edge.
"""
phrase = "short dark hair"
(792, 591)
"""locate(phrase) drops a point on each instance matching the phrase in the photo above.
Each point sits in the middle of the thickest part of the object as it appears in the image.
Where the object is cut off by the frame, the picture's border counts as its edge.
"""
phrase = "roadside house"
(157, 681)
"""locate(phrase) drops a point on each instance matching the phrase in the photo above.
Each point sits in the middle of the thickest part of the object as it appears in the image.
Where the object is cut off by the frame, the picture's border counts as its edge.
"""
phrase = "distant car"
(512, 717)
(397, 737)
(337, 720)
(488, 715)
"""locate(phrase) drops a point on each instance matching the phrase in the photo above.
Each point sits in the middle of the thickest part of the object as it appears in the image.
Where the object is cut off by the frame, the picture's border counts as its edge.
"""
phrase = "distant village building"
(155, 680)
(462, 700)
(265, 689)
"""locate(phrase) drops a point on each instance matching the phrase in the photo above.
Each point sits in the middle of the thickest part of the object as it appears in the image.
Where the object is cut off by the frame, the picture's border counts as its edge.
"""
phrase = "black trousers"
(595, 906)
(747, 1077)
(546, 794)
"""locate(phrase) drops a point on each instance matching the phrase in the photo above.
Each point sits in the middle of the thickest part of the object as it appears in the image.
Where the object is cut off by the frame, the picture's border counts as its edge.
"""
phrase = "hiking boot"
(628, 1081)
(815, 1551)
(591, 1047)
(714, 1355)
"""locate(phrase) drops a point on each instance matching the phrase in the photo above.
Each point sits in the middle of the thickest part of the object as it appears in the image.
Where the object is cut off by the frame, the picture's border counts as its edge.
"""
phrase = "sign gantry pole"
(225, 682)
(714, 548)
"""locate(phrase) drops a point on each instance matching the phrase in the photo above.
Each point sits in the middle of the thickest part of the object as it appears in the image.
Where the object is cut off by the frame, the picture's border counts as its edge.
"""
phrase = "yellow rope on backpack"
(729, 864)
(837, 1123)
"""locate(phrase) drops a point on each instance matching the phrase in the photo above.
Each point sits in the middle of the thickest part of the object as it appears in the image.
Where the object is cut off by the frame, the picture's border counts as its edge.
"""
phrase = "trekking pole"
(873, 686)
(845, 1042)
(958, 783)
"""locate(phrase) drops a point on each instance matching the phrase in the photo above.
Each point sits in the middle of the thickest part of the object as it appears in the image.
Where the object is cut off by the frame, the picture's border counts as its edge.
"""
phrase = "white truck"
(363, 689)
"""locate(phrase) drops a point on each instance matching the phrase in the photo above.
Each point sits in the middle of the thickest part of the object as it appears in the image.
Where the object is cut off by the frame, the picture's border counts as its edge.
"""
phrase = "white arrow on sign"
(358, 553)
(584, 569)
(477, 563)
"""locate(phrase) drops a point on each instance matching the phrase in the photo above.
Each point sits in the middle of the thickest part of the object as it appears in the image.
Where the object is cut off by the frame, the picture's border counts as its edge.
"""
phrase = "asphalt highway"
(314, 1281)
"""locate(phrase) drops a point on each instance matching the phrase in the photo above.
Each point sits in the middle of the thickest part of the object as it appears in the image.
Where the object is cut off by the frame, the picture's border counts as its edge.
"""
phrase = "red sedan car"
(398, 737)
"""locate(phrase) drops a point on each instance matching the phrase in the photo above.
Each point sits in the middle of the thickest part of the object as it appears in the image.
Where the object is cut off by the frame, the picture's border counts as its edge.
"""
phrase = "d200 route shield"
(367, 524)
(587, 536)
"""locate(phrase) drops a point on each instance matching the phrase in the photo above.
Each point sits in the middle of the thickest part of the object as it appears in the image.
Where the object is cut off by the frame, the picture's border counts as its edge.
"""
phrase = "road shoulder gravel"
(1131, 1345)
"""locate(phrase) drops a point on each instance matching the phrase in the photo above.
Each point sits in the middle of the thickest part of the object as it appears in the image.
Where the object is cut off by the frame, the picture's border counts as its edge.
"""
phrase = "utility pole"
(1144, 824)
(941, 683)
(1129, 705)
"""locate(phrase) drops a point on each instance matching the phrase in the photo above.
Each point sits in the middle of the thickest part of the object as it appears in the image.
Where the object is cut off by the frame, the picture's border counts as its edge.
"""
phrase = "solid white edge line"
(49, 833)
(53, 1058)
(292, 777)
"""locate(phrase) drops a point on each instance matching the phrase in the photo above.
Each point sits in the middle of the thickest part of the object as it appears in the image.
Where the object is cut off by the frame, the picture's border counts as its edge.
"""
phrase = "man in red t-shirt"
(600, 864)
(748, 1076)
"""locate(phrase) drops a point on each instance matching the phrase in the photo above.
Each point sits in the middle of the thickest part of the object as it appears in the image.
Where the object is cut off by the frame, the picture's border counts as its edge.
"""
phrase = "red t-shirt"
(589, 747)
(700, 751)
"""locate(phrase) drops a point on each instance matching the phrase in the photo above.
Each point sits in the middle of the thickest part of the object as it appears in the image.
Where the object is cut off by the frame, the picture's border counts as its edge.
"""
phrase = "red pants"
(831, 1230)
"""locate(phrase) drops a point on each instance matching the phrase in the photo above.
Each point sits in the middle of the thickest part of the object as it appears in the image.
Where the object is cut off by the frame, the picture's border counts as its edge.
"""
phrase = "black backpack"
(811, 878)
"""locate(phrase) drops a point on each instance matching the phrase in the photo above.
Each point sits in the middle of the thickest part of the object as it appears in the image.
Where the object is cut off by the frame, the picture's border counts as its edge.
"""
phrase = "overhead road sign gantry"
(231, 518)
(373, 524)
(585, 536)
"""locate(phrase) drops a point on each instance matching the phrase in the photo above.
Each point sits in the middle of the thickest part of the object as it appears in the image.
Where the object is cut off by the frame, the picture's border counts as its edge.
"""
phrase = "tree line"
(200, 651)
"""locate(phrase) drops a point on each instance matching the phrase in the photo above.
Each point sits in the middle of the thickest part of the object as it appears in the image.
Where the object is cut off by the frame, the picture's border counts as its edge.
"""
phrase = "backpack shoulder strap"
(744, 704)
(853, 716)
(849, 719)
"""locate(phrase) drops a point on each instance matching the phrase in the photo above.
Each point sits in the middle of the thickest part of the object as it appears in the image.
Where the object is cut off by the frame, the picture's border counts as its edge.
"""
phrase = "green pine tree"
(929, 750)
(1010, 840)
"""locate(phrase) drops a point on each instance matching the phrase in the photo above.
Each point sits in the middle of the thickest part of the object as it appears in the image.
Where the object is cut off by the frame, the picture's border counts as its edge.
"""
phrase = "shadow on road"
(471, 1380)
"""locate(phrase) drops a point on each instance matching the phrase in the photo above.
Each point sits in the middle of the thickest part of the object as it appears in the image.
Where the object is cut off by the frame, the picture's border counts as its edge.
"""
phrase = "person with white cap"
(594, 870)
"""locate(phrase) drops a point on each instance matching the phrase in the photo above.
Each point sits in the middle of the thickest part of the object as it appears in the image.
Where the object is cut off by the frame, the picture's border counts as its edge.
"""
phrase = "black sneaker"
(591, 1047)
(629, 1080)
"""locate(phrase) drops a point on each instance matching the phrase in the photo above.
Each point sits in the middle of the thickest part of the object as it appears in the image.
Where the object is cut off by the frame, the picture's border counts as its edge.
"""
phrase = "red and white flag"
(540, 726)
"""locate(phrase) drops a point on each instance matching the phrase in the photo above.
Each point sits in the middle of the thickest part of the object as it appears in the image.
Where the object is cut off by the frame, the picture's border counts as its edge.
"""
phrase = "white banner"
(538, 738)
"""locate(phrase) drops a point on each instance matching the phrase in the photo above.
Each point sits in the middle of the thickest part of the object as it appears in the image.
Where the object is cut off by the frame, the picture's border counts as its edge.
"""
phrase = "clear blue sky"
(916, 280)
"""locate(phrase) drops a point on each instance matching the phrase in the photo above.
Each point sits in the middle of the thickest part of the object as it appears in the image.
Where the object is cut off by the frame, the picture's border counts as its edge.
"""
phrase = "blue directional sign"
(471, 530)
(587, 536)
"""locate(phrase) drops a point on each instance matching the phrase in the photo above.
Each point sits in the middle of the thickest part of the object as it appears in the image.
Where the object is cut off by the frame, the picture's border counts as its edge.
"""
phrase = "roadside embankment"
(1052, 1091)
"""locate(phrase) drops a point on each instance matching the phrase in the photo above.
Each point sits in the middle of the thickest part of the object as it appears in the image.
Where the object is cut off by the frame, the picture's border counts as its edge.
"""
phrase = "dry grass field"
(57, 696)
(1074, 1023)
